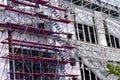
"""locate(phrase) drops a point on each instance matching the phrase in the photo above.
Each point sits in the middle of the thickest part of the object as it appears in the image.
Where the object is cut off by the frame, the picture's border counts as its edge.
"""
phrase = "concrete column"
(100, 28)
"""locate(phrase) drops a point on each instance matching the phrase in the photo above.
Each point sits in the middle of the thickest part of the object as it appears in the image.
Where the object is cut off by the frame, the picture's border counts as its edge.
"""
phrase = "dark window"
(80, 28)
(112, 41)
(85, 33)
(69, 36)
(93, 77)
(117, 43)
(41, 25)
(92, 34)
(86, 73)
(11, 70)
(108, 40)
(76, 32)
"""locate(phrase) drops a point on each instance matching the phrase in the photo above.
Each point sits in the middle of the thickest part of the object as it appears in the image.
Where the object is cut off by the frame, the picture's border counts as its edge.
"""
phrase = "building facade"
(58, 39)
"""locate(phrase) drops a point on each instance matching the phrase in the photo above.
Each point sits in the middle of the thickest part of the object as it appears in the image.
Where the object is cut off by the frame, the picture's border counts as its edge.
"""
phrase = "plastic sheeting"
(96, 57)
(113, 28)
(84, 17)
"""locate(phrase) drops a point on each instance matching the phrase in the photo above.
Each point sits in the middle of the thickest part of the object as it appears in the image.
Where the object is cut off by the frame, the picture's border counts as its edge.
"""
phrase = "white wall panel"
(113, 28)
(84, 17)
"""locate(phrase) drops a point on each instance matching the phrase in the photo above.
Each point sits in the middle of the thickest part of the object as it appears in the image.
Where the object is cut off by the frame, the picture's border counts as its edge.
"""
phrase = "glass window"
(117, 43)
(112, 41)
(41, 25)
(86, 73)
(85, 33)
(92, 34)
(81, 35)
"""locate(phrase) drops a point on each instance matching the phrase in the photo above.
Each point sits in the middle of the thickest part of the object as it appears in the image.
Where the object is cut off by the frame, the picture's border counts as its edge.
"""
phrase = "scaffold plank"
(46, 45)
(35, 14)
(29, 28)
(42, 2)
(32, 46)
(36, 59)
(45, 74)
(23, 3)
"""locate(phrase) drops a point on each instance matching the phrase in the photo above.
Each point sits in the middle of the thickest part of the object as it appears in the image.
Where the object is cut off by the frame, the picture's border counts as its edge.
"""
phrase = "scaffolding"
(35, 47)
(31, 56)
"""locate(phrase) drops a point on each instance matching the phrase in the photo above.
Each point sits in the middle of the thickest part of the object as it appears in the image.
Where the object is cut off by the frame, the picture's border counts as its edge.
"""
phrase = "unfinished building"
(58, 39)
